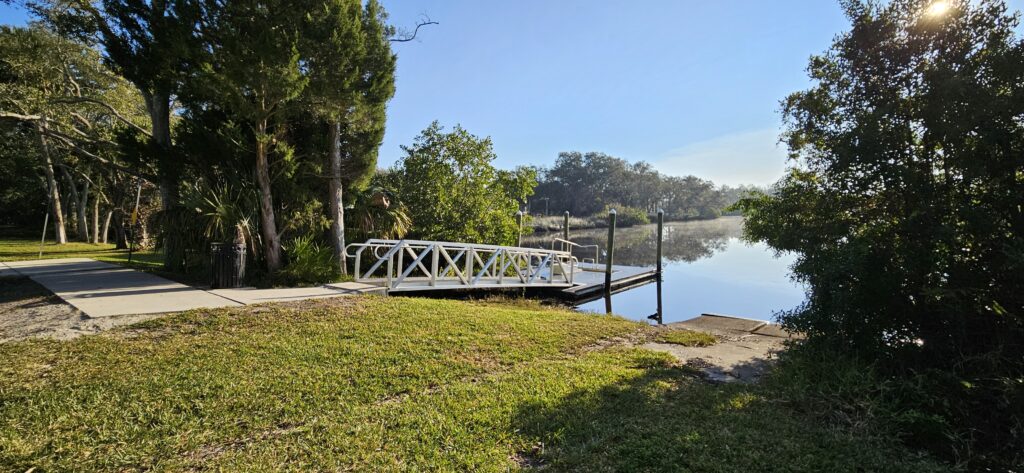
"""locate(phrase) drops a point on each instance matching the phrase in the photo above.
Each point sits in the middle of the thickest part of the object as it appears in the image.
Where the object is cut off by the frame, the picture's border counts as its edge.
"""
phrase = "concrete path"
(744, 350)
(103, 290)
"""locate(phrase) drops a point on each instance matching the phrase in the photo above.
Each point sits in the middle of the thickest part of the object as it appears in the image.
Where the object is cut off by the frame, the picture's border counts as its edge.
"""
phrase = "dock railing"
(566, 246)
(411, 265)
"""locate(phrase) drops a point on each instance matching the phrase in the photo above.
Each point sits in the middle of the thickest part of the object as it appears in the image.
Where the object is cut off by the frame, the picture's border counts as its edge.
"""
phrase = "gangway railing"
(566, 246)
(417, 265)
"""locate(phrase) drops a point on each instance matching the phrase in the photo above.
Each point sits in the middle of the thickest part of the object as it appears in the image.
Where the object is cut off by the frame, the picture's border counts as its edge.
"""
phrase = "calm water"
(707, 269)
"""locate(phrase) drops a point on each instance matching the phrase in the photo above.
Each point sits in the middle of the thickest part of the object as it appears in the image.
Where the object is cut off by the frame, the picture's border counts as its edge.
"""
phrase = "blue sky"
(692, 87)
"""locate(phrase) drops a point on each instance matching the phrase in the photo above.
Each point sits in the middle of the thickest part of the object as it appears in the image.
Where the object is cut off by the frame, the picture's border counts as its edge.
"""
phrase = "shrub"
(308, 263)
(625, 216)
(903, 207)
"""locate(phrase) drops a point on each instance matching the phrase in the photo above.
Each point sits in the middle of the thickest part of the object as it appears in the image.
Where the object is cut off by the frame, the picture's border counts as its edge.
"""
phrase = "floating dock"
(588, 285)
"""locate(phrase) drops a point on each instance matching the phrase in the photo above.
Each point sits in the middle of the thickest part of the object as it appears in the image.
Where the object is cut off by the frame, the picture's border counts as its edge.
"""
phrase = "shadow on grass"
(668, 419)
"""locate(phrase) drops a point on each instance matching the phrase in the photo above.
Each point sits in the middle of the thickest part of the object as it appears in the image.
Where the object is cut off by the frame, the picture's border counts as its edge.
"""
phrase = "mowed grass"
(20, 249)
(393, 384)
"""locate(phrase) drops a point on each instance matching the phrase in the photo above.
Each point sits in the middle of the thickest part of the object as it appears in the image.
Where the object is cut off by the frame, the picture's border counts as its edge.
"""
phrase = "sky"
(692, 87)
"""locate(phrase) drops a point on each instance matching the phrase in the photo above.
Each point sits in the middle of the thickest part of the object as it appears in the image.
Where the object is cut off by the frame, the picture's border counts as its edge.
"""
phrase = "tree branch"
(106, 162)
(409, 37)
(18, 116)
(108, 107)
(85, 137)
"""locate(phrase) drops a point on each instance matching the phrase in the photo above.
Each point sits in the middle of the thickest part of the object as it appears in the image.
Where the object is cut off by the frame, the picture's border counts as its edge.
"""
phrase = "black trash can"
(228, 263)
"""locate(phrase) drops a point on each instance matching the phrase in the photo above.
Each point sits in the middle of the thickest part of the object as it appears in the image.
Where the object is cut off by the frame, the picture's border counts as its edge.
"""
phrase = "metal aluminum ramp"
(417, 265)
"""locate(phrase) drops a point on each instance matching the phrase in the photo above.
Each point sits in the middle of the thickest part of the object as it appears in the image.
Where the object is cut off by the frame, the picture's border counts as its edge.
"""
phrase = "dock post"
(661, 233)
(565, 227)
(608, 262)
(519, 226)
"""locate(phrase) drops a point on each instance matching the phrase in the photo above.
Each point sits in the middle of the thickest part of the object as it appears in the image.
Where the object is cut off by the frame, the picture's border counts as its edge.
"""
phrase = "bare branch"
(106, 162)
(106, 106)
(85, 138)
(18, 116)
(406, 37)
(81, 119)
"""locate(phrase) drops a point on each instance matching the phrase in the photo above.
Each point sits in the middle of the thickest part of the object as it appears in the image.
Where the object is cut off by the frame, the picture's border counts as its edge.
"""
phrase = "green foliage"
(352, 77)
(22, 186)
(377, 213)
(905, 210)
(687, 338)
(309, 262)
(454, 192)
(624, 216)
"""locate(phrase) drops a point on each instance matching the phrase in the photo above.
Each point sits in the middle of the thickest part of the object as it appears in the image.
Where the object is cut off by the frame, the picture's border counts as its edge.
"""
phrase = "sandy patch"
(744, 352)
(28, 310)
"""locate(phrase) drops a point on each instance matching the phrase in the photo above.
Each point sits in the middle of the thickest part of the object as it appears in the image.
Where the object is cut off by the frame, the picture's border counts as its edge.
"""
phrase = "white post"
(433, 265)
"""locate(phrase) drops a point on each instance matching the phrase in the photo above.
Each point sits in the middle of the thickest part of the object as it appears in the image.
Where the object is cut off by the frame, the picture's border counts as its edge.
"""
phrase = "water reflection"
(637, 246)
(707, 268)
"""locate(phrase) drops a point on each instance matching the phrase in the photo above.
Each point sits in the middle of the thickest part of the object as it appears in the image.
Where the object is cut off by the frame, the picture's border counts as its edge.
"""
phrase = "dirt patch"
(28, 310)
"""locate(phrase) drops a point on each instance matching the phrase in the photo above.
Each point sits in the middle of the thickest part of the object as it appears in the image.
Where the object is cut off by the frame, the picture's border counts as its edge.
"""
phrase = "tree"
(905, 205)
(352, 79)
(147, 43)
(454, 192)
(77, 108)
(151, 45)
(254, 70)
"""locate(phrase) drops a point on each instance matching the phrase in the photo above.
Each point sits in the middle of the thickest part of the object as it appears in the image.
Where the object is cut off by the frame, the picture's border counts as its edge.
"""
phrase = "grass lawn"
(18, 249)
(395, 384)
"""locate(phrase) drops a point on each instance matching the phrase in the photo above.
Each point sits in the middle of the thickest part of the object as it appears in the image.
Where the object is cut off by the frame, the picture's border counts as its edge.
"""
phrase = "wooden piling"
(661, 233)
(609, 259)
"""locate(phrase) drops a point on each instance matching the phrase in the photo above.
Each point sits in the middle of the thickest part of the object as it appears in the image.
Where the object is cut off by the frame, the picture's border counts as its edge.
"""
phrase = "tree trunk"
(268, 226)
(83, 213)
(337, 205)
(106, 226)
(58, 214)
(69, 216)
(121, 232)
(96, 219)
(80, 224)
(158, 104)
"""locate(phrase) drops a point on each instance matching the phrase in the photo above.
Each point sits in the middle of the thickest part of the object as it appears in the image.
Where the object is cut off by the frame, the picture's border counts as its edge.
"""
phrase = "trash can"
(228, 263)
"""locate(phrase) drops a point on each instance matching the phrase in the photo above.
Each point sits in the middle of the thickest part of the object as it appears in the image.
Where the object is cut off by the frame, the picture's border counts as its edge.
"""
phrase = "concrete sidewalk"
(103, 290)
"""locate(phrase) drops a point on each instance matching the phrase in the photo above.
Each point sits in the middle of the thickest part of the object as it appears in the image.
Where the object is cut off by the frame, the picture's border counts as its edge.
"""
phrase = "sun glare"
(938, 8)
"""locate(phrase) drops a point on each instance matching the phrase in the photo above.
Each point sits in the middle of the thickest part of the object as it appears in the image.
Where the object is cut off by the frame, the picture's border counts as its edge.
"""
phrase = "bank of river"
(708, 269)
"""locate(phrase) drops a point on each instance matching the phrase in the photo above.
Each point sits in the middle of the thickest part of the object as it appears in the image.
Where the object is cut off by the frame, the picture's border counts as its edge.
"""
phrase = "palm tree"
(377, 213)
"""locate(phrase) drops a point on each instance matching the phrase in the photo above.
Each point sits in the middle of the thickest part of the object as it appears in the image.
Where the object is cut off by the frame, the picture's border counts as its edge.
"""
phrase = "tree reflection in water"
(685, 242)
(707, 269)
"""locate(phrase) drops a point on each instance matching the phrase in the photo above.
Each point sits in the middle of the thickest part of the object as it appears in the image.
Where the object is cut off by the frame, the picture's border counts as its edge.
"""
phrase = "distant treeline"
(587, 183)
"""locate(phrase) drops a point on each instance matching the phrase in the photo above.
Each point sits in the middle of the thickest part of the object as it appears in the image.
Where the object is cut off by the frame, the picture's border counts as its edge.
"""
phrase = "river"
(708, 268)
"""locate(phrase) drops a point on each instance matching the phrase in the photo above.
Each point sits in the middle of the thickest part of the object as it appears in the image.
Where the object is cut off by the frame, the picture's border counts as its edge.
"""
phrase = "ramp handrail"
(420, 264)
(567, 246)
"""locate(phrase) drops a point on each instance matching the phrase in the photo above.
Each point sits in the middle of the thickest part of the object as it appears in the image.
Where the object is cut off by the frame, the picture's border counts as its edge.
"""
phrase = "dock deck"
(588, 284)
